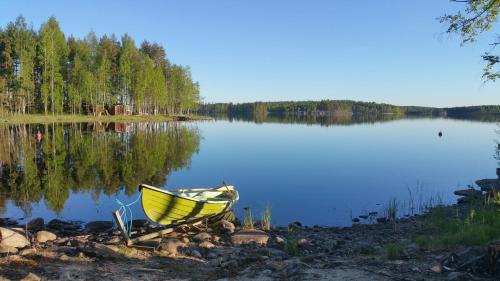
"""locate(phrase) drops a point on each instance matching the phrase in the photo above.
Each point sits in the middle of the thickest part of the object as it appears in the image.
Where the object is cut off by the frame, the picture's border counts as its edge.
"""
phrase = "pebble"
(202, 236)
(195, 253)
(31, 277)
(206, 245)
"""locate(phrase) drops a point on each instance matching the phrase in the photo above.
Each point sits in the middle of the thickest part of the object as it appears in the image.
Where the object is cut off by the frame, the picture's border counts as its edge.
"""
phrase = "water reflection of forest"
(48, 162)
(339, 119)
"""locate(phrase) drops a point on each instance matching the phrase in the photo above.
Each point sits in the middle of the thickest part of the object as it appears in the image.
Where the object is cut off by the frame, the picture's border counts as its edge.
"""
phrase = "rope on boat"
(123, 213)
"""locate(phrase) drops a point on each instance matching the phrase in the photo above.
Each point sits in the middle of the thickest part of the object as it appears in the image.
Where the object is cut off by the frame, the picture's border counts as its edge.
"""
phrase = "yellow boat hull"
(184, 206)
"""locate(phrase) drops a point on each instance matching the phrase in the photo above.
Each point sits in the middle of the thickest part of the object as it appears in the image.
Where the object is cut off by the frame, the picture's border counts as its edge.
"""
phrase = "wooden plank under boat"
(181, 206)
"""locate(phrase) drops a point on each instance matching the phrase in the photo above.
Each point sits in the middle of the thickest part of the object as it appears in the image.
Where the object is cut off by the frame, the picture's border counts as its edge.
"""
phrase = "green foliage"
(480, 226)
(340, 111)
(248, 220)
(292, 246)
(477, 17)
(392, 213)
(266, 219)
(42, 72)
(394, 251)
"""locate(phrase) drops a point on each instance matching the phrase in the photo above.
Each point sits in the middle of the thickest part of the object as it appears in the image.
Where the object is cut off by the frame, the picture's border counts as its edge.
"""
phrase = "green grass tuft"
(394, 251)
(266, 219)
(248, 220)
(480, 226)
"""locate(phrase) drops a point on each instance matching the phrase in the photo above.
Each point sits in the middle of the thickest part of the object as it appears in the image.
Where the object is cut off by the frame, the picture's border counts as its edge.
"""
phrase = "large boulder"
(469, 192)
(248, 236)
(5, 249)
(13, 237)
(35, 225)
(63, 225)
(44, 236)
(489, 185)
(7, 222)
(99, 226)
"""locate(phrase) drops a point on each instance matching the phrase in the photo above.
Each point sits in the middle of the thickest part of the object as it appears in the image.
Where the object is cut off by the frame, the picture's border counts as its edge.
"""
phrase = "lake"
(318, 172)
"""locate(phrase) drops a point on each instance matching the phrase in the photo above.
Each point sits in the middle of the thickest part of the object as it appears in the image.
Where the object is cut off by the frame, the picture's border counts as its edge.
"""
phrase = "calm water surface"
(305, 172)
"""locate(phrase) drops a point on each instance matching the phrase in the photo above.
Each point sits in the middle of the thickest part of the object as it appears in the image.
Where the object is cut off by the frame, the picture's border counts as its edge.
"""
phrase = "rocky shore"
(382, 249)
(61, 250)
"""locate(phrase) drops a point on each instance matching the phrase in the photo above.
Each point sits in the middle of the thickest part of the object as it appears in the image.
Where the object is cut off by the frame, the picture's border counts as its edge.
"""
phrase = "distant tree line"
(342, 107)
(45, 72)
(303, 107)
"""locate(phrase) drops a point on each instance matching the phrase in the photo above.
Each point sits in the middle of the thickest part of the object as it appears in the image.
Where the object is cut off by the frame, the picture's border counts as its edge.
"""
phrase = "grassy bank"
(475, 225)
(68, 118)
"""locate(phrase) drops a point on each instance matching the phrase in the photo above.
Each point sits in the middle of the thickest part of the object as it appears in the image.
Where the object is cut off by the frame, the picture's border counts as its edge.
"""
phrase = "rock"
(227, 226)
(5, 249)
(44, 236)
(382, 220)
(437, 268)
(468, 199)
(31, 277)
(295, 225)
(62, 225)
(206, 245)
(457, 276)
(489, 185)
(35, 225)
(27, 252)
(140, 223)
(212, 255)
(71, 251)
(294, 267)
(303, 242)
(99, 226)
(470, 192)
(101, 250)
(13, 237)
(171, 246)
(279, 240)
(202, 236)
(355, 220)
(266, 272)
(247, 236)
(7, 222)
(276, 253)
(465, 259)
(195, 253)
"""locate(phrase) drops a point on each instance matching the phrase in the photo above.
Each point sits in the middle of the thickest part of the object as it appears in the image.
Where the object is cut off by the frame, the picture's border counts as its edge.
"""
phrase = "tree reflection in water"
(48, 162)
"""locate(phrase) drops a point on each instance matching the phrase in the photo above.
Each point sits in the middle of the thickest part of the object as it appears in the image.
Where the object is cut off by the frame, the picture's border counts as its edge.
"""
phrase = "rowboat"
(182, 206)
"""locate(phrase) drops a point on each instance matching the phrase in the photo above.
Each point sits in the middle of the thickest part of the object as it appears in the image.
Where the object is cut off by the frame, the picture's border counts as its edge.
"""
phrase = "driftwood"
(131, 241)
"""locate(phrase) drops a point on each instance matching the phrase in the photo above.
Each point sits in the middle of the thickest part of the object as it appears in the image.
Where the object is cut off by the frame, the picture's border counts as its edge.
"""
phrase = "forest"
(344, 107)
(46, 72)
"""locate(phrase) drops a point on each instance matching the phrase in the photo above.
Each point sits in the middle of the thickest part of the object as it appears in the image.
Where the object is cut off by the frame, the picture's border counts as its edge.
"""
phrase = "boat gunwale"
(190, 198)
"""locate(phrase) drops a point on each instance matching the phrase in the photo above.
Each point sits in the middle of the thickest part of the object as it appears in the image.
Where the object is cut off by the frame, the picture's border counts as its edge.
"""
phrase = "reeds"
(266, 219)
(248, 220)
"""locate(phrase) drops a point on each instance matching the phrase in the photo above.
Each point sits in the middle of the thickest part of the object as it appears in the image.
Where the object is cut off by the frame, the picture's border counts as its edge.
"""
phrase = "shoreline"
(69, 118)
(227, 251)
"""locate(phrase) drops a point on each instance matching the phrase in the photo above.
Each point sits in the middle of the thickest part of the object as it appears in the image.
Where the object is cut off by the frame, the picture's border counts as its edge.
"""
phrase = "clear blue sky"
(383, 51)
